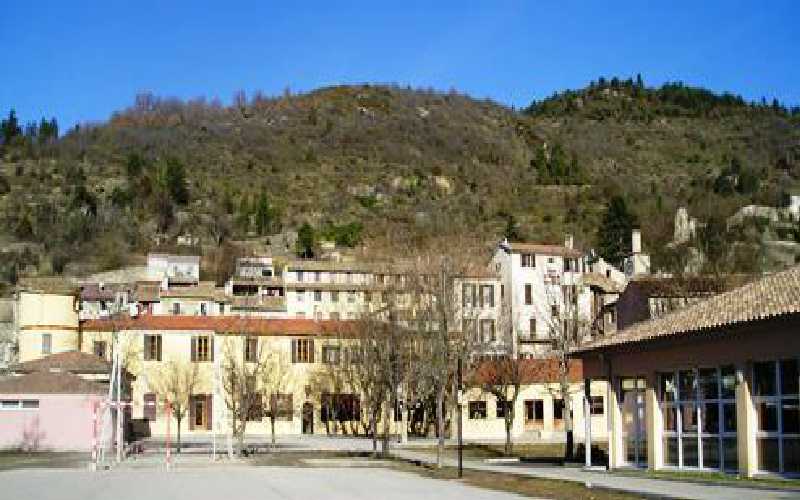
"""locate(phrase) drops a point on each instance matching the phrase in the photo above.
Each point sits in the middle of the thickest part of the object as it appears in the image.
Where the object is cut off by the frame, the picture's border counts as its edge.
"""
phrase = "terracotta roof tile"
(222, 324)
(531, 371)
(71, 361)
(50, 383)
(774, 295)
(559, 250)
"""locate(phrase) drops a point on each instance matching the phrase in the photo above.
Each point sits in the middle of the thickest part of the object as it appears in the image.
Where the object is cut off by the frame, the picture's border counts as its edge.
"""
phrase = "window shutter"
(211, 348)
(194, 349)
(289, 405)
(209, 411)
(149, 412)
(191, 412)
(294, 351)
(311, 349)
(158, 338)
(145, 350)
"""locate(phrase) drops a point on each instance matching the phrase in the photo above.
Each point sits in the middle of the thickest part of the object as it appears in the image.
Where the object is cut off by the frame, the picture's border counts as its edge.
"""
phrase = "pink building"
(48, 411)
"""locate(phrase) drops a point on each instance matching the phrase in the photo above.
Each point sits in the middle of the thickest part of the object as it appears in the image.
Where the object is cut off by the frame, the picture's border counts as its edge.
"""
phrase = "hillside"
(357, 161)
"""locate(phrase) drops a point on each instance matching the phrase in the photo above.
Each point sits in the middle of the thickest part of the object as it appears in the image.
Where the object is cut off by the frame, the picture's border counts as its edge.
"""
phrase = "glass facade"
(634, 431)
(699, 411)
(776, 395)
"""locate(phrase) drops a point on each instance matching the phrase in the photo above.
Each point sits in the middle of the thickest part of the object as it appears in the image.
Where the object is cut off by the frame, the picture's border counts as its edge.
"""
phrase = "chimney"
(636, 241)
(568, 241)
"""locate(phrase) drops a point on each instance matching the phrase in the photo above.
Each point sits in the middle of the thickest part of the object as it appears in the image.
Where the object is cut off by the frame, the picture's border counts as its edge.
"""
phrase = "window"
(331, 354)
(477, 410)
(300, 295)
(487, 330)
(221, 308)
(501, 407)
(149, 406)
(256, 411)
(317, 295)
(302, 351)
(47, 343)
(203, 309)
(351, 296)
(367, 297)
(528, 260)
(17, 404)
(558, 409)
(554, 311)
(300, 276)
(534, 410)
(776, 391)
(502, 292)
(202, 348)
(282, 405)
(340, 407)
(200, 412)
(251, 349)
(152, 348)
(596, 405)
(699, 418)
(528, 294)
(317, 276)
(467, 295)
(532, 327)
(176, 308)
(487, 295)
(334, 296)
(99, 348)
(349, 277)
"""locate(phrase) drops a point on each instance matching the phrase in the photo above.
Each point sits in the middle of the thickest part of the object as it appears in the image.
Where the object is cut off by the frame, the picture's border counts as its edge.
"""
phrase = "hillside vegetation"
(354, 162)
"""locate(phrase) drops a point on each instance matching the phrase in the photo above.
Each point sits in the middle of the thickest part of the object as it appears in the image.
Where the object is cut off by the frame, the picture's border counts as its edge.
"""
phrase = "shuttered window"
(202, 348)
(149, 410)
(302, 351)
(152, 348)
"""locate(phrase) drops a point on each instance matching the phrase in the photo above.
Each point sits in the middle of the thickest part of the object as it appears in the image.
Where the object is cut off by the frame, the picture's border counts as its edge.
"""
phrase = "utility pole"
(460, 401)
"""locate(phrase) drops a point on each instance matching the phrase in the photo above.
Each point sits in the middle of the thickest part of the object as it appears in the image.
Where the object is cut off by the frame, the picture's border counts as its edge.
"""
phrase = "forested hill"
(354, 161)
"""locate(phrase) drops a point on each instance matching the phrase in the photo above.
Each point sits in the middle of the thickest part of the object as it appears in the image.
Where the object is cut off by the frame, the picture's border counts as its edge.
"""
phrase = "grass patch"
(522, 485)
(10, 460)
(716, 478)
(525, 451)
(298, 458)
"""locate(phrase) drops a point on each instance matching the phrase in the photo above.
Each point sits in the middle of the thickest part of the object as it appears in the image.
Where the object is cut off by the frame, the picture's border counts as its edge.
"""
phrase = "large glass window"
(776, 385)
(699, 409)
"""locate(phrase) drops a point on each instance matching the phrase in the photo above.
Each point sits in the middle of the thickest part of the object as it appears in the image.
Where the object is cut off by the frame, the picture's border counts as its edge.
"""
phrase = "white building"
(541, 289)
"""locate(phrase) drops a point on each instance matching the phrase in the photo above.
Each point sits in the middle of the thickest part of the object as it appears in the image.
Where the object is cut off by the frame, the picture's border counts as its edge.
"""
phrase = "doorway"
(634, 432)
(308, 418)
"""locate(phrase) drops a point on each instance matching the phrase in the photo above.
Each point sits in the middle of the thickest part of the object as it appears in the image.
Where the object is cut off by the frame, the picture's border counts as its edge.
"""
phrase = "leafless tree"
(175, 383)
(241, 384)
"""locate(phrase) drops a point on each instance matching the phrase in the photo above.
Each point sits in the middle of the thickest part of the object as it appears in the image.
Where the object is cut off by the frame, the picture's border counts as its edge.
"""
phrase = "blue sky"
(82, 61)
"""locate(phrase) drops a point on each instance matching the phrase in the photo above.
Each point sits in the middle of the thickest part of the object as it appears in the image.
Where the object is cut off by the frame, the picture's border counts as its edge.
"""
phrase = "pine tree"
(263, 215)
(306, 241)
(614, 234)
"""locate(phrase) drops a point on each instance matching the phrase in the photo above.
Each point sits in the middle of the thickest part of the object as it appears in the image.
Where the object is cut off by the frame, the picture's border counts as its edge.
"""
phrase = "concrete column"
(746, 421)
(654, 422)
(616, 450)
(587, 422)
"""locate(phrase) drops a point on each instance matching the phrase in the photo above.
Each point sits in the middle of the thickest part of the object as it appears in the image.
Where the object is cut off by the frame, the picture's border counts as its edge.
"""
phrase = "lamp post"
(460, 421)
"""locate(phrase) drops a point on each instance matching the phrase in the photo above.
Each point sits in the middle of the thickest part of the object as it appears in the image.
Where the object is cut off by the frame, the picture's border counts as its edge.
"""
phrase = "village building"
(712, 386)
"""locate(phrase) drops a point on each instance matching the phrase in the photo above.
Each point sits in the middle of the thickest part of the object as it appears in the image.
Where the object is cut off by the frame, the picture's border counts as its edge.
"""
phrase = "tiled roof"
(559, 250)
(93, 291)
(147, 291)
(774, 295)
(531, 371)
(72, 361)
(598, 280)
(49, 383)
(222, 324)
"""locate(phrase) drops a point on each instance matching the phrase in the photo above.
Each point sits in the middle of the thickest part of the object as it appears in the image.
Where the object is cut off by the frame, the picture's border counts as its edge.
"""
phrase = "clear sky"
(79, 61)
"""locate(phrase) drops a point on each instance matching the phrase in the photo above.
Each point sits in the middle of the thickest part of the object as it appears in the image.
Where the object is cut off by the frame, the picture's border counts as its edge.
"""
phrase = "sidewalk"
(644, 486)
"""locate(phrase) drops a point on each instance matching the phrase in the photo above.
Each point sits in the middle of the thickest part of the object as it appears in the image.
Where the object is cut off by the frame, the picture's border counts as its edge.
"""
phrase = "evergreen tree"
(614, 234)
(306, 241)
(175, 181)
(10, 127)
(263, 215)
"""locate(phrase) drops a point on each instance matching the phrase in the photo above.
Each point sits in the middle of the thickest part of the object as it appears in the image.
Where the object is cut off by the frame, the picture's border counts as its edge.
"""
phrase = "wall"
(63, 422)
(41, 313)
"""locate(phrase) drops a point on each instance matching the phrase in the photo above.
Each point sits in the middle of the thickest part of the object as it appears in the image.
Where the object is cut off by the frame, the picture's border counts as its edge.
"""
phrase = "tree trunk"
(373, 428)
(569, 450)
(272, 428)
(509, 422)
(440, 426)
(179, 431)
(385, 438)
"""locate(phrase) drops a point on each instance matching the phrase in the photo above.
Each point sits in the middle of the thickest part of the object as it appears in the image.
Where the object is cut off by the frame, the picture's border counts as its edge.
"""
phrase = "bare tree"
(241, 381)
(175, 383)
(566, 327)
(274, 381)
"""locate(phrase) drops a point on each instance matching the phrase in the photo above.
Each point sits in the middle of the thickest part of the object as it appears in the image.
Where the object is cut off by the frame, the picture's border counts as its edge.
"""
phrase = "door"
(634, 432)
(308, 418)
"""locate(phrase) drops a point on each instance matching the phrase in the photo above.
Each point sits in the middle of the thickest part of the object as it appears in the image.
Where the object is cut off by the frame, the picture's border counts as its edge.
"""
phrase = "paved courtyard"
(239, 482)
